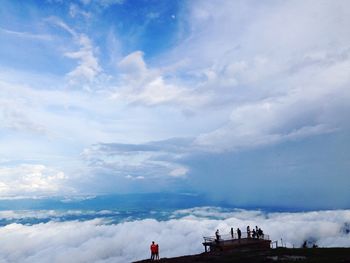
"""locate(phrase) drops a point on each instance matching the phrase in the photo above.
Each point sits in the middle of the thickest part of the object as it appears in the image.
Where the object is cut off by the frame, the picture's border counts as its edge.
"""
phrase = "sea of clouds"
(99, 240)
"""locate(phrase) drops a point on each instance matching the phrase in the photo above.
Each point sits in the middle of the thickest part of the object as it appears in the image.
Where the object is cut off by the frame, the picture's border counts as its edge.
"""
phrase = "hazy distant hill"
(117, 201)
(145, 201)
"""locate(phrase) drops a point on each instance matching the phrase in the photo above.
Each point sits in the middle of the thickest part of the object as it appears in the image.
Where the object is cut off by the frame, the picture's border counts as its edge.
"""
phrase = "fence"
(226, 237)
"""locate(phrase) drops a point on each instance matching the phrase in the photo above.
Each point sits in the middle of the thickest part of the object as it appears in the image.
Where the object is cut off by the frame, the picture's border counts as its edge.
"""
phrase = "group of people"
(154, 251)
(239, 234)
(255, 233)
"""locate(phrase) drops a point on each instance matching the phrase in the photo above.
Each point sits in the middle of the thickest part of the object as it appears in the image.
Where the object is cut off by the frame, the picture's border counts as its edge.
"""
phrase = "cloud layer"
(98, 241)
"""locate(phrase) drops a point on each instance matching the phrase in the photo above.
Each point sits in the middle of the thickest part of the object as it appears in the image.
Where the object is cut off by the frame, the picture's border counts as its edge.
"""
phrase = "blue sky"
(246, 101)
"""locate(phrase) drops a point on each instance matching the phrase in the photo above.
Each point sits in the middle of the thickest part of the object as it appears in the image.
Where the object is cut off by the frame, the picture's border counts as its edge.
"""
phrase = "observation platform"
(228, 242)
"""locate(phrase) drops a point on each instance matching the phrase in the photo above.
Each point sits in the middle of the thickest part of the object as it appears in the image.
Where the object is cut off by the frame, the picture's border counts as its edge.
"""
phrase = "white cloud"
(58, 22)
(268, 122)
(133, 64)
(49, 214)
(75, 11)
(103, 3)
(15, 118)
(276, 86)
(277, 68)
(31, 110)
(108, 3)
(142, 85)
(97, 241)
(136, 162)
(179, 172)
(30, 179)
(27, 35)
(140, 177)
(88, 66)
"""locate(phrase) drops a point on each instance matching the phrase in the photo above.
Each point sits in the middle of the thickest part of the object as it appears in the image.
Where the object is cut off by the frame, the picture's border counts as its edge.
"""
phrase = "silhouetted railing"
(227, 237)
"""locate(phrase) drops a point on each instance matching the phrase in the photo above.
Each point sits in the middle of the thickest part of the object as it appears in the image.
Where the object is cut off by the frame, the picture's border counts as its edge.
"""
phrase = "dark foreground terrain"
(303, 255)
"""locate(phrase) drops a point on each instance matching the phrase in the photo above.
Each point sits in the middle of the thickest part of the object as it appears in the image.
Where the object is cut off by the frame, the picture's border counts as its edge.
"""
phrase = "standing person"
(157, 252)
(239, 233)
(232, 232)
(256, 231)
(248, 231)
(261, 233)
(153, 250)
(217, 235)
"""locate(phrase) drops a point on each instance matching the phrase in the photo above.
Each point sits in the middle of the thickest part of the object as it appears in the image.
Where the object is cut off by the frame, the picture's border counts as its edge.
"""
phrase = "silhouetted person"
(157, 252)
(239, 233)
(248, 231)
(153, 250)
(304, 244)
(254, 233)
(217, 235)
(232, 232)
(260, 233)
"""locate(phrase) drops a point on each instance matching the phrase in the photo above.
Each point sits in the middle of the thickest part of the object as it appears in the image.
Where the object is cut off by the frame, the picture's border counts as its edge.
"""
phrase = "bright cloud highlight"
(30, 179)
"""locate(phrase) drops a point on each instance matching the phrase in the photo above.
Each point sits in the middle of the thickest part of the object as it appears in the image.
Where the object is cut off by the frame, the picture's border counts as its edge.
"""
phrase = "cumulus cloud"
(300, 110)
(98, 241)
(278, 89)
(269, 122)
(31, 179)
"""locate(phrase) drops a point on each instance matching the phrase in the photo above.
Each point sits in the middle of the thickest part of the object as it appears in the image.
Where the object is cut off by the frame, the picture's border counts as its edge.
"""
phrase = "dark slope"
(285, 255)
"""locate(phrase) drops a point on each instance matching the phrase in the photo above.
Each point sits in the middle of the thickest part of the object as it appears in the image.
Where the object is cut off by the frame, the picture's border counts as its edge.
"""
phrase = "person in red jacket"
(153, 250)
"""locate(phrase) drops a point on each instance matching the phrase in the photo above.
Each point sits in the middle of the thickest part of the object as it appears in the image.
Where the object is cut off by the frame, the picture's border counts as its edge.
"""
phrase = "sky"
(245, 101)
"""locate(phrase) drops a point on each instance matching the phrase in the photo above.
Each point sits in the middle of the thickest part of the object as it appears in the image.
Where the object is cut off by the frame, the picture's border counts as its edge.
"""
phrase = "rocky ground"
(304, 255)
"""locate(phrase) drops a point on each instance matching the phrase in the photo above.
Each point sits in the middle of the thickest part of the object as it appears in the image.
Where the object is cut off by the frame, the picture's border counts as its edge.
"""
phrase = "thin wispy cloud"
(27, 35)
(88, 66)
